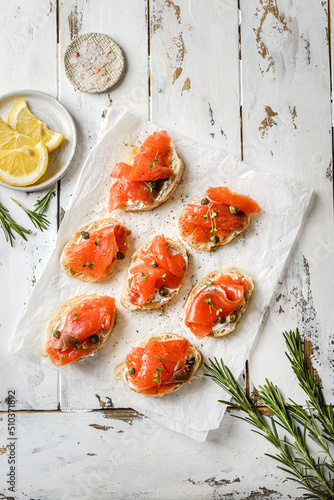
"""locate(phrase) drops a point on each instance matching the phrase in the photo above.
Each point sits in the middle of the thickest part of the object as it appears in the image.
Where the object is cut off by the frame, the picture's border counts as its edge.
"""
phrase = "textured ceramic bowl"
(114, 69)
(49, 110)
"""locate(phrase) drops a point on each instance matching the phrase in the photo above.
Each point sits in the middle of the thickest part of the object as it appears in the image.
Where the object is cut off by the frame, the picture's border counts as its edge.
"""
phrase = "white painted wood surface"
(183, 71)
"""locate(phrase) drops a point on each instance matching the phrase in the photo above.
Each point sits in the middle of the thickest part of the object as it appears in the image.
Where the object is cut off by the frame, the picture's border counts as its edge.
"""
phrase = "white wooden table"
(251, 77)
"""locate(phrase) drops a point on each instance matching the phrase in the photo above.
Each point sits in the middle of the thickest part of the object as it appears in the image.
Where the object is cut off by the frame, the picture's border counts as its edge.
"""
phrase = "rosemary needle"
(36, 216)
(42, 205)
(8, 225)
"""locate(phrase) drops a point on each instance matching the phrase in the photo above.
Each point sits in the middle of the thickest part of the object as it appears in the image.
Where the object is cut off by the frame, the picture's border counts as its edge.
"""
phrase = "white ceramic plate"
(49, 110)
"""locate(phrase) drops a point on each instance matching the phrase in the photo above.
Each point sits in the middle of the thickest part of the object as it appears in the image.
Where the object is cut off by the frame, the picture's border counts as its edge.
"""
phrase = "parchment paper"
(261, 250)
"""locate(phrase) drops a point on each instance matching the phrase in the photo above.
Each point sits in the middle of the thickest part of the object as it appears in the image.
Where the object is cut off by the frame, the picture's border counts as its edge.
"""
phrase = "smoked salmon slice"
(89, 318)
(157, 269)
(158, 366)
(138, 182)
(243, 203)
(218, 299)
(93, 256)
(218, 213)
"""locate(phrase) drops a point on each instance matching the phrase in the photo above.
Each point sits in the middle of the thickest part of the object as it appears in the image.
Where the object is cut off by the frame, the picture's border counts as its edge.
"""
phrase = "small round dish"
(49, 110)
(79, 77)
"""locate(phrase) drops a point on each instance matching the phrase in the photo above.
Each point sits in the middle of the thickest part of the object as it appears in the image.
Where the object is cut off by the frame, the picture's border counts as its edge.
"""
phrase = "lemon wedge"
(24, 121)
(24, 165)
(11, 139)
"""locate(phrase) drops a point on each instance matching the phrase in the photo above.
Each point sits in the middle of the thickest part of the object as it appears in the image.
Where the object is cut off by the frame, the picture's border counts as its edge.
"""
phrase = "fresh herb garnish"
(90, 266)
(76, 346)
(97, 243)
(143, 275)
(36, 216)
(151, 185)
(156, 375)
(153, 162)
(84, 265)
(164, 314)
(129, 142)
(8, 225)
(163, 277)
(317, 421)
(74, 316)
(212, 218)
(84, 345)
(209, 302)
(162, 360)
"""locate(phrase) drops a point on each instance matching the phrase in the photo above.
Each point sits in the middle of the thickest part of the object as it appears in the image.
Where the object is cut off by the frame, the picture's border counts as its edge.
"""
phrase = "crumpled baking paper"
(261, 250)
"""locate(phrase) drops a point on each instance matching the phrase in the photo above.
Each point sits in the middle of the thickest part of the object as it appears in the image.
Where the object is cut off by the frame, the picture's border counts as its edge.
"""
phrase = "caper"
(152, 185)
(204, 201)
(214, 239)
(120, 256)
(221, 319)
(163, 292)
(208, 282)
(154, 263)
(233, 317)
(233, 210)
(85, 235)
(56, 334)
(191, 359)
(94, 339)
(132, 371)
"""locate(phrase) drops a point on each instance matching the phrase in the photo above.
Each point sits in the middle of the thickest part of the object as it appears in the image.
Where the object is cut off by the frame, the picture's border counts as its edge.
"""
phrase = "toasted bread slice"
(157, 300)
(77, 238)
(58, 320)
(168, 186)
(206, 246)
(219, 330)
(121, 371)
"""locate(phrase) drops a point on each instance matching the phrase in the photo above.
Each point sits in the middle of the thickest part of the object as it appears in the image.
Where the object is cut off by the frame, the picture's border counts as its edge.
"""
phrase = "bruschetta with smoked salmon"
(148, 177)
(79, 328)
(159, 365)
(215, 218)
(94, 250)
(155, 275)
(216, 303)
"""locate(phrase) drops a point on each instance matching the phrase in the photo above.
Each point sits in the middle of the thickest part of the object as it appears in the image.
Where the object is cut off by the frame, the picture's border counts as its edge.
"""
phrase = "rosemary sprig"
(8, 225)
(324, 413)
(39, 220)
(42, 205)
(294, 458)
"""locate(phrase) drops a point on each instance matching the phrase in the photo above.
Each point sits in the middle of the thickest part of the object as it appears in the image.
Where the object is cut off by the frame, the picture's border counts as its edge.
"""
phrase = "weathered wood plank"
(287, 130)
(127, 25)
(195, 70)
(89, 455)
(28, 44)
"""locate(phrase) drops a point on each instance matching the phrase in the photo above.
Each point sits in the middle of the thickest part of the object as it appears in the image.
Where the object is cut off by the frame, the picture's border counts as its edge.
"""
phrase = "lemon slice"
(11, 139)
(24, 121)
(23, 166)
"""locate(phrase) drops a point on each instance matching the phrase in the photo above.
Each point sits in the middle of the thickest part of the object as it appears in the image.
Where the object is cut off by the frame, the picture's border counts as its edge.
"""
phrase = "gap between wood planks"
(118, 413)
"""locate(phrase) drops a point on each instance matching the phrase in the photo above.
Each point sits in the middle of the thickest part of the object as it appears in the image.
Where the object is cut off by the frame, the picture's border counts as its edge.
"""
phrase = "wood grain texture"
(287, 130)
(89, 455)
(127, 25)
(27, 37)
(191, 55)
(197, 96)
